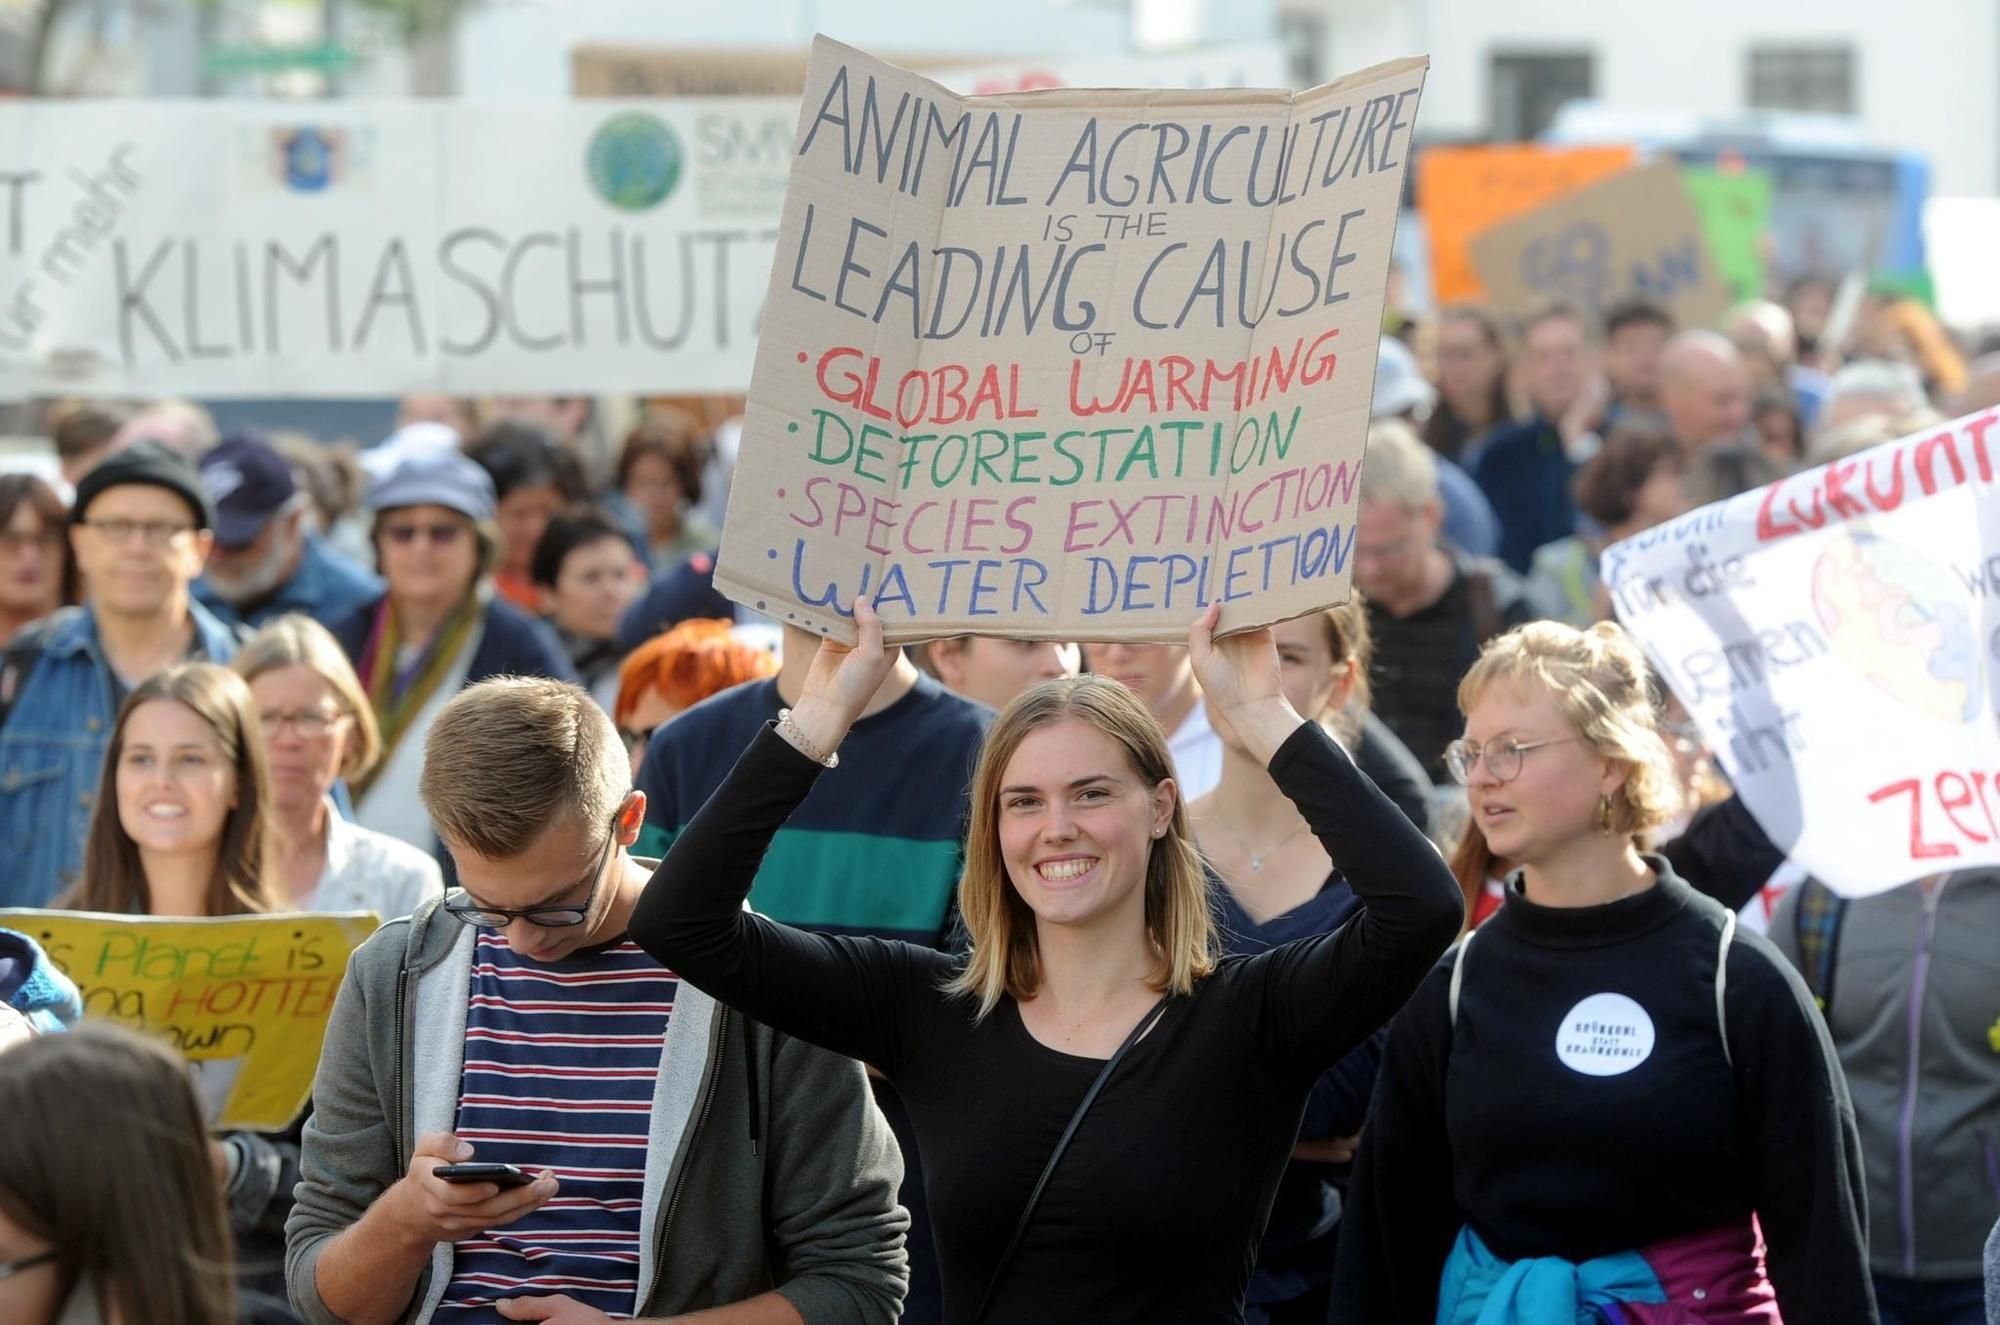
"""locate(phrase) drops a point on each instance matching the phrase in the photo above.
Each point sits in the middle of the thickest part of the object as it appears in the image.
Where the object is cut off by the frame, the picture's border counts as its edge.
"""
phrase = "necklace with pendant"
(1257, 858)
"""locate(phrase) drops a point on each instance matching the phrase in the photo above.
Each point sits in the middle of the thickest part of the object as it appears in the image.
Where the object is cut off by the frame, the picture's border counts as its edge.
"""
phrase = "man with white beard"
(267, 560)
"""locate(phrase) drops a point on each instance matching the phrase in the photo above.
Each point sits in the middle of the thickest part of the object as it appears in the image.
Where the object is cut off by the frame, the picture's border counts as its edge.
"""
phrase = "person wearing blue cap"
(266, 562)
(437, 628)
(140, 530)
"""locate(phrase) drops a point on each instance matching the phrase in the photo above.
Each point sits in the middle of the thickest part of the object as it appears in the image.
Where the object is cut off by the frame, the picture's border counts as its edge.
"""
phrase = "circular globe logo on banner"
(634, 161)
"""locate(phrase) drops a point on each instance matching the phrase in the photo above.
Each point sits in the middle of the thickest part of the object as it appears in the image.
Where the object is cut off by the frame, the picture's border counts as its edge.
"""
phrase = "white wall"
(1928, 76)
(522, 50)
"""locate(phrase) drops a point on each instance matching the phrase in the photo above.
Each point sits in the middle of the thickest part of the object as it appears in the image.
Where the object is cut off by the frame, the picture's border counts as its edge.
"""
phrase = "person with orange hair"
(677, 669)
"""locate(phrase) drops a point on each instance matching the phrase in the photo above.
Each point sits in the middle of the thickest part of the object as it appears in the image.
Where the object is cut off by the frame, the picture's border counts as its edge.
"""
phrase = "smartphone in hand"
(507, 1175)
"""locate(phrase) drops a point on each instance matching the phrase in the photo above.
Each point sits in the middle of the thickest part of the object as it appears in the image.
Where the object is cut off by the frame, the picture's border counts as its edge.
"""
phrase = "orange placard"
(1463, 190)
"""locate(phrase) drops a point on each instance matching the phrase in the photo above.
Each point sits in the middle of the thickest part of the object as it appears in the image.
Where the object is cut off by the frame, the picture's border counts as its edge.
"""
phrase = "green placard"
(325, 57)
(1735, 211)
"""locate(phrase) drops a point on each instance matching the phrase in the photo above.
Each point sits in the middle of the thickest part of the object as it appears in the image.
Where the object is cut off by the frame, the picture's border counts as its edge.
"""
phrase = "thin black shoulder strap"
(1055, 1156)
(22, 653)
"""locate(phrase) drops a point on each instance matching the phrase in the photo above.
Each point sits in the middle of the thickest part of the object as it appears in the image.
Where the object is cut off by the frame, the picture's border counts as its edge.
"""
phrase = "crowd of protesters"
(987, 979)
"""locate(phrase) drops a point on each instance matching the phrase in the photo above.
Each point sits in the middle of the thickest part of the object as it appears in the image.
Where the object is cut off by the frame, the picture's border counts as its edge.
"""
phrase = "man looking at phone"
(678, 1157)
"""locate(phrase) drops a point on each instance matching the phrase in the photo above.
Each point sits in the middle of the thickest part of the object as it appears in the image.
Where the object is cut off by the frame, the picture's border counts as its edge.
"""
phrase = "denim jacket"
(52, 751)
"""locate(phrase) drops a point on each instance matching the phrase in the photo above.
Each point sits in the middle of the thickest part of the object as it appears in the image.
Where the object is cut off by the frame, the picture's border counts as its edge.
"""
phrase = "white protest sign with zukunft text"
(371, 249)
(1833, 635)
(1067, 364)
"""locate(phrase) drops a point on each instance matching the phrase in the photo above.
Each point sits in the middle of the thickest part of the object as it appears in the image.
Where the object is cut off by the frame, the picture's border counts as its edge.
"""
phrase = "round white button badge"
(1604, 1035)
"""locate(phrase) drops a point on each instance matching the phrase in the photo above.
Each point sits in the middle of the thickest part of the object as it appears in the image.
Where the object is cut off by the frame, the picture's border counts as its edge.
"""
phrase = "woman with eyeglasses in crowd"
(438, 627)
(318, 729)
(1606, 1102)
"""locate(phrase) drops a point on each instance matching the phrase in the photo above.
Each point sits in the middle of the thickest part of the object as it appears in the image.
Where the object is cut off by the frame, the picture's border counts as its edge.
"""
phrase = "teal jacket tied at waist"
(1479, 1288)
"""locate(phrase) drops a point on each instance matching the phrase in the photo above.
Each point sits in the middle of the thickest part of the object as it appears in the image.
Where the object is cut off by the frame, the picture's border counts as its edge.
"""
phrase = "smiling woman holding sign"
(182, 829)
(1608, 1105)
(1105, 1106)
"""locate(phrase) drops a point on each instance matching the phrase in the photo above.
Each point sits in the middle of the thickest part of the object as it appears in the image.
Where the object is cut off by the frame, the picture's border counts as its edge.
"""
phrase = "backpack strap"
(23, 652)
(1817, 923)
(1722, 982)
(1458, 974)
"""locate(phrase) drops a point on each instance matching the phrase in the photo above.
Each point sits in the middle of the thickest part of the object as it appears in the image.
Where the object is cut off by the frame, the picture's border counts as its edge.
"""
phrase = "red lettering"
(1179, 369)
(1954, 802)
(1927, 453)
(1890, 500)
(906, 415)
(1837, 496)
(951, 383)
(1976, 430)
(1768, 528)
(1919, 848)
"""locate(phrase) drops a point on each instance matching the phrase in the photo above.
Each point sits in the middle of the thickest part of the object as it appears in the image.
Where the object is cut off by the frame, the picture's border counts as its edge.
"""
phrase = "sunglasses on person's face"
(440, 535)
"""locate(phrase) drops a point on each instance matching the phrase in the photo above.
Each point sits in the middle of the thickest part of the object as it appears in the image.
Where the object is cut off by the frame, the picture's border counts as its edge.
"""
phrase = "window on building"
(1802, 78)
(1529, 87)
(1304, 36)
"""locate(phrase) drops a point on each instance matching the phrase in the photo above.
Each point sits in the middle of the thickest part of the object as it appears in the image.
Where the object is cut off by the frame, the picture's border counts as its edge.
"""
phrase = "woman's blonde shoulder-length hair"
(1004, 958)
(1601, 684)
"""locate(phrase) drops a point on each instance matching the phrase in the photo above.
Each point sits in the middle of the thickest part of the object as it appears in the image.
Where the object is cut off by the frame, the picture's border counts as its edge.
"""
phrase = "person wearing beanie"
(141, 530)
(267, 562)
(436, 628)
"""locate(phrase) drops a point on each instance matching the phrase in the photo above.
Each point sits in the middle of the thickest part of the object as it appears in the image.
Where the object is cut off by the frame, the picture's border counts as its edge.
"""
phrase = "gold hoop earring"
(1604, 815)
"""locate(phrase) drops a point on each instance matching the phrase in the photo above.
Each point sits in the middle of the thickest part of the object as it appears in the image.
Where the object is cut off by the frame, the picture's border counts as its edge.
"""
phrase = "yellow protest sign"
(244, 998)
(1464, 190)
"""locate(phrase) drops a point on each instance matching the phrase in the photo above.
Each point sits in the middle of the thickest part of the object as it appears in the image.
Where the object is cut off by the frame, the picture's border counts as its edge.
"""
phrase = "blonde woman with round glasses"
(1606, 1104)
(319, 728)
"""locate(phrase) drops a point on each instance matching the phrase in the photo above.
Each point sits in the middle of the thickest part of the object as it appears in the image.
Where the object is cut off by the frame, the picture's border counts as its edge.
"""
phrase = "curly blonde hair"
(1601, 684)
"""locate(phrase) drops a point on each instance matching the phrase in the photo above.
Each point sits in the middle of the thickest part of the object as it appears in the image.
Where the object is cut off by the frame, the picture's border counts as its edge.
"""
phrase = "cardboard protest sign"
(1735, 211)
(1834, 637)
(244, 998)
(377, 248)
(1464, 190)
(1632, 235)
(1066, 364)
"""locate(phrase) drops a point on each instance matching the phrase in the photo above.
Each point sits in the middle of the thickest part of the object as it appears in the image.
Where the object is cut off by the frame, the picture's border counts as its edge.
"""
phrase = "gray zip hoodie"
(1916, 1021)
(768, 1164)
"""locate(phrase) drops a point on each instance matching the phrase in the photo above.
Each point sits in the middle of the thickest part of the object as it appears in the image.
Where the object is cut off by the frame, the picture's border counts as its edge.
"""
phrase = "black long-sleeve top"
(1581, 1104)
(1155, 1212)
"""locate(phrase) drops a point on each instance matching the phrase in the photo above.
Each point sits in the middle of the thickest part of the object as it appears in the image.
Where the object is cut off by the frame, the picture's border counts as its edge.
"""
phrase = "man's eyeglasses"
(309, 723)
(8, 1269)
(440, 535)
(154, 533)
(1503, 757)
(469, 912)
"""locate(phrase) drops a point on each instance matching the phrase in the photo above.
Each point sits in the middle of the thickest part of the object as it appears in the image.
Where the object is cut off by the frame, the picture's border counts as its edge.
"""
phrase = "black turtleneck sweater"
(1582, 1105)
